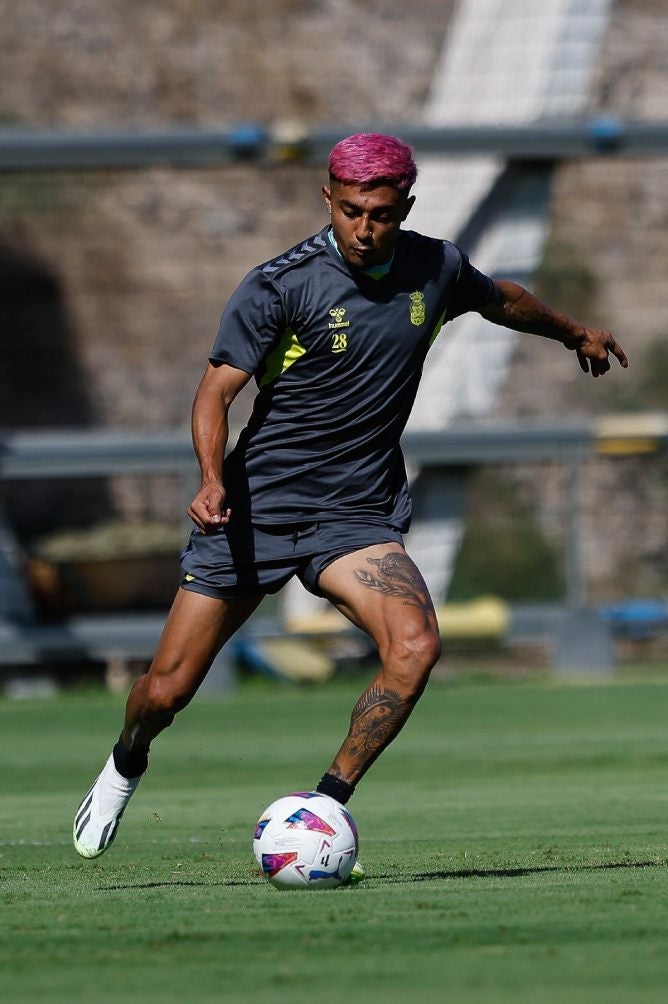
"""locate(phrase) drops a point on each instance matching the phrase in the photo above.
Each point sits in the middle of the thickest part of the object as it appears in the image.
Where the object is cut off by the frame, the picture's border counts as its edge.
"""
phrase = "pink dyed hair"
(370, 158)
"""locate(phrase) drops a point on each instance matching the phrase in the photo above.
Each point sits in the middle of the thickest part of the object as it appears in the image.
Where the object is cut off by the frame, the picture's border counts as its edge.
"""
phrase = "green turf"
(514, 837)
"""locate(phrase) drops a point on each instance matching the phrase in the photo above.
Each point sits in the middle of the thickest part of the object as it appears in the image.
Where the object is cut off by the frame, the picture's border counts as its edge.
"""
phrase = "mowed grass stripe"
(514, 836)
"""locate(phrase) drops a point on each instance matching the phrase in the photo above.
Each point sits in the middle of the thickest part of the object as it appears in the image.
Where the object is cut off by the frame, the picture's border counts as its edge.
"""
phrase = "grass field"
(514, 838)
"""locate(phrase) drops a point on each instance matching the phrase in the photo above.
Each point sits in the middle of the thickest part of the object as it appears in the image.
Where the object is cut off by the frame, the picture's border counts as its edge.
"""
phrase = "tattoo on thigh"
(395, 575)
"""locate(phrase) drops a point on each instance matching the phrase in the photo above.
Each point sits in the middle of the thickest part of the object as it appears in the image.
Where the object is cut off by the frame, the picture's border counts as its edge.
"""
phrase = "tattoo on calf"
(377, 716)
(376, 719)
(396, 575)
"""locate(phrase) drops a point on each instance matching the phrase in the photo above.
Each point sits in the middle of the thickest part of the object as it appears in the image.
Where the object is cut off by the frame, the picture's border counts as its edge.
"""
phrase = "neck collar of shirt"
(376, 272)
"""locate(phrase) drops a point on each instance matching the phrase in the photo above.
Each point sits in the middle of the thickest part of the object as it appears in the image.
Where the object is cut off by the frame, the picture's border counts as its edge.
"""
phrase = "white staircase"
(504, 62)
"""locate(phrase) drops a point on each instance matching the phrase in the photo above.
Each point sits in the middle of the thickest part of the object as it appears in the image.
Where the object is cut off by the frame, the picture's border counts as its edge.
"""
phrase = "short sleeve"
(471, 289)
(252, 321)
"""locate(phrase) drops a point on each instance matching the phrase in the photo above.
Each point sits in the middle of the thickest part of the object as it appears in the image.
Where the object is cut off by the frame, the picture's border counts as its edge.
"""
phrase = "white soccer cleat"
(97, 818)
(356, 875)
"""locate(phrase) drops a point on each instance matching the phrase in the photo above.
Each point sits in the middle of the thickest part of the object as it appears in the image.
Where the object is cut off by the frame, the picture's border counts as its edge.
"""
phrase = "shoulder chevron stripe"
(295, 254)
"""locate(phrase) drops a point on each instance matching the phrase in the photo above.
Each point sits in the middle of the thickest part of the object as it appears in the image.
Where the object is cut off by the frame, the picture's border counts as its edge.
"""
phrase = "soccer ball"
(306, 841)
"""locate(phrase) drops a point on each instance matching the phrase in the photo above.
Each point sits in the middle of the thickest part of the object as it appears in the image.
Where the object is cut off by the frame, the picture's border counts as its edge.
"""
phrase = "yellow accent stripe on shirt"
(437, 328)
(287, 352)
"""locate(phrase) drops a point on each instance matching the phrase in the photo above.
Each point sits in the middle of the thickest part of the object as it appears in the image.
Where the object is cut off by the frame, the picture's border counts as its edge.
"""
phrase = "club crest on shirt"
(418, 310)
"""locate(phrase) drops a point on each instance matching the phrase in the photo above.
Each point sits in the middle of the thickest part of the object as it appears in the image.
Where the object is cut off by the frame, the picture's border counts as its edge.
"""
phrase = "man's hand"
(593, 350)
(207, 508)
(515, 307)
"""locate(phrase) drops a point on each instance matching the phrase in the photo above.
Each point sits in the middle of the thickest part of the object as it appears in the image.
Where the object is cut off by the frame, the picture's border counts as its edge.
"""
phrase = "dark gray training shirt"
(337, 356)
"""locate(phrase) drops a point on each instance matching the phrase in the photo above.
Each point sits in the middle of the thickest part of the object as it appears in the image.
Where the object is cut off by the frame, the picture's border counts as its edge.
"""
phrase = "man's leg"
(197, 627)
(381, 590)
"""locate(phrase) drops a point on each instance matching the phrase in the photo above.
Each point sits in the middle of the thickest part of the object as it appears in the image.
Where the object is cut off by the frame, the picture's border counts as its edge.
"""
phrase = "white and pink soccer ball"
(306, 841)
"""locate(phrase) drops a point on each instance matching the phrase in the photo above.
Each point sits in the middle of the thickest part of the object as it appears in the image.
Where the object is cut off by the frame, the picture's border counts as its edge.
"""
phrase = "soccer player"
(335, 332)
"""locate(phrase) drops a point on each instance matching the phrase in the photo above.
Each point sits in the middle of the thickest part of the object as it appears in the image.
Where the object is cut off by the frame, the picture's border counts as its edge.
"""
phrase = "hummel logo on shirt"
(338, 322)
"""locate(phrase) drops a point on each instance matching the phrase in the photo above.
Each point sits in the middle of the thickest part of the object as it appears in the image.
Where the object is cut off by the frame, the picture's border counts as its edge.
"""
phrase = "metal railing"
(37, 150)
(94, 453)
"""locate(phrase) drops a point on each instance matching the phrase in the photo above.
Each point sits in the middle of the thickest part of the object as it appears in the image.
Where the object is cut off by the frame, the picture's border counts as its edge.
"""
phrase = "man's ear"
(410, 202)
(328, 197)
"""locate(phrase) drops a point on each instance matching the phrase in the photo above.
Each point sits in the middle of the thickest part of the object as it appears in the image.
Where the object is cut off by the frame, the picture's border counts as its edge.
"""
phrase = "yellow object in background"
(294, 659)
(486, 617)
(626, 435)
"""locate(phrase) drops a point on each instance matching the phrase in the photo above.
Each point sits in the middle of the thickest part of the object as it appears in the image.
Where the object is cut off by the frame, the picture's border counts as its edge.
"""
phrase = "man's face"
(366, 221)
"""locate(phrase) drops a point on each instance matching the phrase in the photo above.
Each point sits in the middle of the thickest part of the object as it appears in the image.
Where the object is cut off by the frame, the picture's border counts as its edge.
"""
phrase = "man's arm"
(517, 308)
(218, 389)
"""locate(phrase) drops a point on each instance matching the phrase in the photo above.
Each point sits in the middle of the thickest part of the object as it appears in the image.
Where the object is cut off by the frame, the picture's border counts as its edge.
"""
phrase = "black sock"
(129, 763)
(335, 788)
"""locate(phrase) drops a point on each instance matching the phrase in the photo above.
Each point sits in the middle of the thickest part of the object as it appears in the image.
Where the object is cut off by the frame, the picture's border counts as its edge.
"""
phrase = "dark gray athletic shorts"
(239, 559)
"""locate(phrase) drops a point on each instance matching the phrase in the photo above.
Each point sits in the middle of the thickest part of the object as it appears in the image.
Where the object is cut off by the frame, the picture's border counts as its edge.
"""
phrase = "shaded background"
(112, 282)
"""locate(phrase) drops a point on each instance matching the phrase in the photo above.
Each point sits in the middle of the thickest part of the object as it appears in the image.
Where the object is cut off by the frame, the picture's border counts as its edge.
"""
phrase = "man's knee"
(410, 657)
(167, 694)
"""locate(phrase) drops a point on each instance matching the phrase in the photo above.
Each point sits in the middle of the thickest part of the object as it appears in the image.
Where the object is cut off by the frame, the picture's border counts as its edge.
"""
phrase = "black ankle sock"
(129, 763)
(335, 788)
